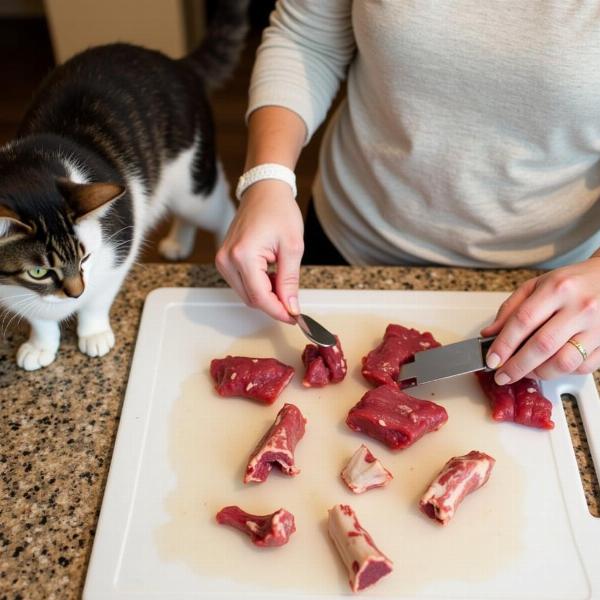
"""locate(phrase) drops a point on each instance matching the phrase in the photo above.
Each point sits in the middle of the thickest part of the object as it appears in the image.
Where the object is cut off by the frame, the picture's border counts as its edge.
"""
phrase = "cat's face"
(47, 257)
(46, 250)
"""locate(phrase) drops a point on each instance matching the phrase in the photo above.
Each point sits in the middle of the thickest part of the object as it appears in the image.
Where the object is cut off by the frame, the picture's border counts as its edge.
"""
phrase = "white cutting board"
(181, 450)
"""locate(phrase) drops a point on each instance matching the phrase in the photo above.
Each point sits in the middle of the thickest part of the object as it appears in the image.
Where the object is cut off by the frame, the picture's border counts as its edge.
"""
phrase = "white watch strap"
(265, 171)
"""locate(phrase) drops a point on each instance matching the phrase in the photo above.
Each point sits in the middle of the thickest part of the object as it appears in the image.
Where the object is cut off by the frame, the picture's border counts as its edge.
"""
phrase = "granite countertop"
(58, 425)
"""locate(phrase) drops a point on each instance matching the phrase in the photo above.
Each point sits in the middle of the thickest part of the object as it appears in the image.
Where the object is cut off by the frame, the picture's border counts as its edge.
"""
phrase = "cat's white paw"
(97, 344)
(174, 249)
(31, 357)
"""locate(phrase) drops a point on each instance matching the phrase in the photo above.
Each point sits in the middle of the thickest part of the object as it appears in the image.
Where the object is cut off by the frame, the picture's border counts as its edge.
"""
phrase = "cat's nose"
(73, 286)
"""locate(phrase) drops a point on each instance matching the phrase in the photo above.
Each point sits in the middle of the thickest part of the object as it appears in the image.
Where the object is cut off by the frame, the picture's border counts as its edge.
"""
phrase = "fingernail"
(502, 378)
(293, 305)
(492, 360)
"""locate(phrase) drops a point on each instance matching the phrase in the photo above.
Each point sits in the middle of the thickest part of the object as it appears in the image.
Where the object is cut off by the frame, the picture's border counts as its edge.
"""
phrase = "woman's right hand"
(267, 229)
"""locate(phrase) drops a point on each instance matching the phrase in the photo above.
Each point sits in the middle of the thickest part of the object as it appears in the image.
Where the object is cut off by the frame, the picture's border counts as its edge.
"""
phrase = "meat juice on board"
(210, 439)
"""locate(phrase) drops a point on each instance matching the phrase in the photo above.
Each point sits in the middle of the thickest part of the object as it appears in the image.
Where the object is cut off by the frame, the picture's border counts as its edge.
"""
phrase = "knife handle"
(486, 342)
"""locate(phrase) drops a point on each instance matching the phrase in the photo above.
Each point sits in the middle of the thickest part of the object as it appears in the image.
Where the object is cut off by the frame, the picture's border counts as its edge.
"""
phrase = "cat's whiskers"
(15, 301)
(26, 312)
(23, 313)
(118, 232)
(15, 297)
(16, 307)
(22, 298)
(143, 243)
(121, 244)
(123, 255)
(19, 310)
(5, 312)
(23, 307)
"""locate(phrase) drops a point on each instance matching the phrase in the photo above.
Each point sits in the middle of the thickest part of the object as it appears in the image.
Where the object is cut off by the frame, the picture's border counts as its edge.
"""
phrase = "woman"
(469, 136)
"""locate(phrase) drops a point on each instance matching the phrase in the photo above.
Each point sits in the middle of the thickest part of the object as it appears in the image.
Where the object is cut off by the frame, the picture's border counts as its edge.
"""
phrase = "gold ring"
(579, 347)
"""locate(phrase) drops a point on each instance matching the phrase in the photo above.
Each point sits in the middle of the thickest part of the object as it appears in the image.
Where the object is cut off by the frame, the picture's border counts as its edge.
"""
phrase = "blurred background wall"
(171, 26)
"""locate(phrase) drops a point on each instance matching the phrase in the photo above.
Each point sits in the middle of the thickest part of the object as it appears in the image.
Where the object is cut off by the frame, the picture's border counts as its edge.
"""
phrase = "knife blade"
(446, 361)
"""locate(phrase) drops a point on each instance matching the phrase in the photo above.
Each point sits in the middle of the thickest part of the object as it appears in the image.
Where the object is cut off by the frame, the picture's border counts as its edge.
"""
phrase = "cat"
(114, 138)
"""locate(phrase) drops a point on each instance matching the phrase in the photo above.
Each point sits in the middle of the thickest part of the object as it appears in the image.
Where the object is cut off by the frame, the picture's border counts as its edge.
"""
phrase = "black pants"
(318, 249)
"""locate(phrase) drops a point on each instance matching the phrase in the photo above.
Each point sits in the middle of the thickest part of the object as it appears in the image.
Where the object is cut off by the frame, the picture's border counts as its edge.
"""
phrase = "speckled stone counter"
(58, 425)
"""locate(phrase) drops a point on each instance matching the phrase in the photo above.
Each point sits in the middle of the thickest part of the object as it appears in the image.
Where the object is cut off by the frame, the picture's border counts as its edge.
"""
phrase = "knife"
(446, 361)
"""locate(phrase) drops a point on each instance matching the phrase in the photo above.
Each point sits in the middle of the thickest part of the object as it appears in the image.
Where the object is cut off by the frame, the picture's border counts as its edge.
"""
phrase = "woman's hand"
(268, 229)
(548, 311)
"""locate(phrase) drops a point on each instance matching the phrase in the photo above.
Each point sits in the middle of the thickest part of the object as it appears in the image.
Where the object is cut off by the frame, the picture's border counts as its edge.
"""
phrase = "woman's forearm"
(275, 135)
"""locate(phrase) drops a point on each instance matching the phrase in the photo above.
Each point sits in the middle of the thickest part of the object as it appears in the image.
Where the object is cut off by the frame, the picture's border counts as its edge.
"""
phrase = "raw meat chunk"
(460, 476)
(263, 530)
(399, 345)
(277, 446)
(323, 365)
(364, 472)
(365, 563)
(255, 378)
(521, 402)
(395, 418)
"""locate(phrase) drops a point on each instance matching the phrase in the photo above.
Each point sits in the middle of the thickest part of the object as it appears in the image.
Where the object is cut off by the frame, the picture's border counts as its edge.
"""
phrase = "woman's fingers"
(234, 280)
(252, 268)
(526, 318)
(591, 364)
(247, 275)
(287, 280)
(508, 306)
(561, 305)
(230, 274)
(572, 357)
(257, 286)
(546, 342)
(253, 285)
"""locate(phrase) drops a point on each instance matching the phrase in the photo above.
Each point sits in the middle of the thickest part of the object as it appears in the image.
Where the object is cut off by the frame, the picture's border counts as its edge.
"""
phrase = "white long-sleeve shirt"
(470, 132)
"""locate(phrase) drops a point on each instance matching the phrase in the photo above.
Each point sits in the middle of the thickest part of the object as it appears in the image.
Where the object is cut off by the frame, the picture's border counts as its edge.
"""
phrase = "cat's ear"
(89, 199)
(11, 224)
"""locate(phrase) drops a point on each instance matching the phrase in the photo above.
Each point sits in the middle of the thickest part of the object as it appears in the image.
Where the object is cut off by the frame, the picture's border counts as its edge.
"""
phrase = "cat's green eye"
(37, 273)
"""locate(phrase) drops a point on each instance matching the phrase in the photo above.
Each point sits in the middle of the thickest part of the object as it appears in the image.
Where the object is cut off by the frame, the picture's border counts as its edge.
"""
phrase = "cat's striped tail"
(216, 57)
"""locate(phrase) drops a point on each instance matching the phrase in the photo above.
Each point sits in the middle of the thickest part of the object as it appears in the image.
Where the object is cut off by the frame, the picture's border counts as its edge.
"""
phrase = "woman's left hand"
(557, 315)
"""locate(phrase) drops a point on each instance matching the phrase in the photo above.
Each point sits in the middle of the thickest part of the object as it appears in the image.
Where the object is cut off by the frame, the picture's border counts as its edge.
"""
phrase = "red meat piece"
(264, 530)
(323, 365)
(260, 379)
(459, 477)
(277, 446)
(316, 374)
(399, 345)
(521, 402)
(395, 418)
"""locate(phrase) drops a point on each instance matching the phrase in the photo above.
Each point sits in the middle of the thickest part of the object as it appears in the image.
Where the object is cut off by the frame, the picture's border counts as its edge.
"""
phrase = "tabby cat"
(115, 137)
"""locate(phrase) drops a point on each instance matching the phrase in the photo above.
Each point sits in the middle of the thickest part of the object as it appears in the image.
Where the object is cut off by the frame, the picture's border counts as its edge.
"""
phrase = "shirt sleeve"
(303, 57)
